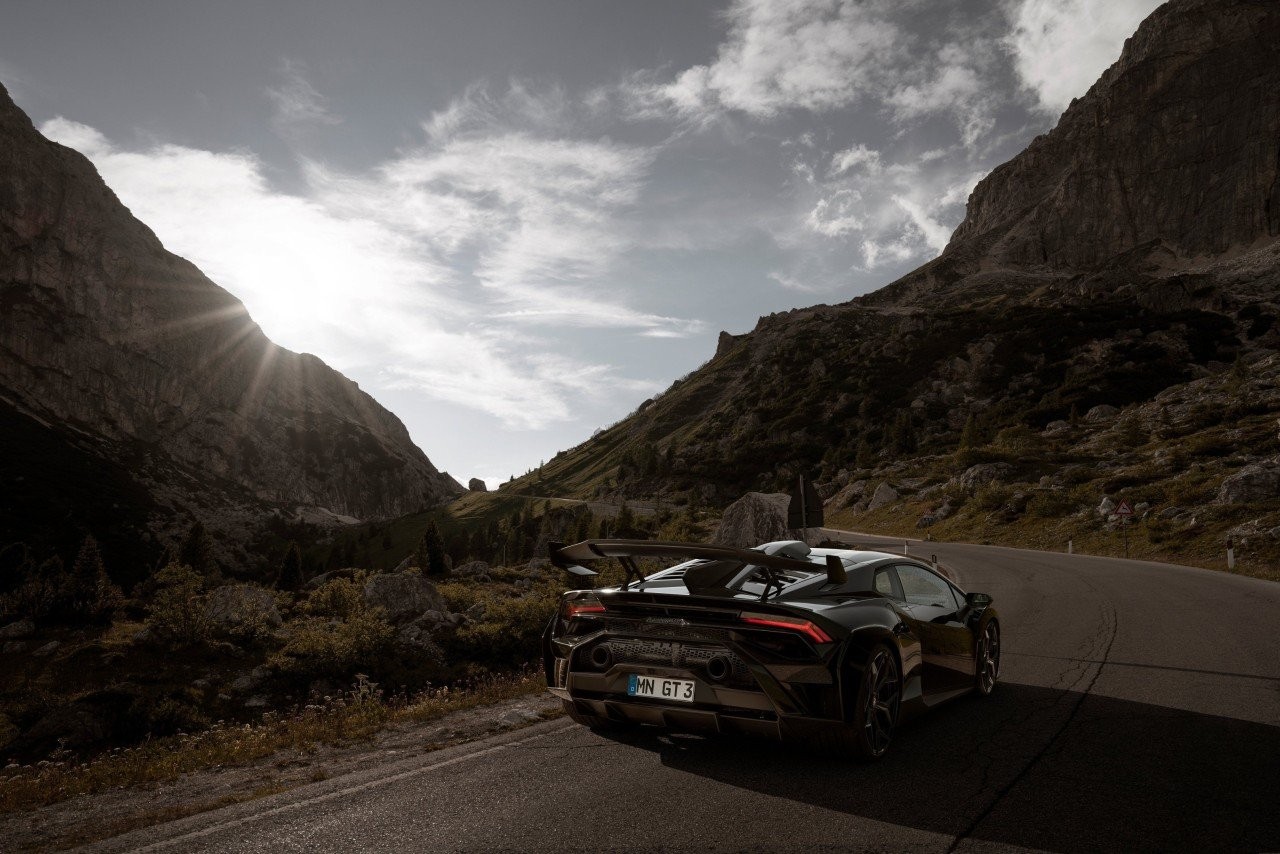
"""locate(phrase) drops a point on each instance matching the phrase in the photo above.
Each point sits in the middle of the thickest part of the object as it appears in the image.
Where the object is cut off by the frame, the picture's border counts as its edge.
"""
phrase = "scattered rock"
(1101, 413)
(402, 595)
(1169, 513)
(944, 511)
(980, 475)
(755, 518)
(1056, 428)
(475, 567)
(48, 649)
(477, 485)
(1141, 507)
(884, 494)
(252, 679)
(256, 702)
(515, 717)
(17, 630)
(1257, 482)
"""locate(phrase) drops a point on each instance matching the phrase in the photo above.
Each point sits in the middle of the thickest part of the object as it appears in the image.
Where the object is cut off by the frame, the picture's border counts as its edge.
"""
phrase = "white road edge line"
(337, 793)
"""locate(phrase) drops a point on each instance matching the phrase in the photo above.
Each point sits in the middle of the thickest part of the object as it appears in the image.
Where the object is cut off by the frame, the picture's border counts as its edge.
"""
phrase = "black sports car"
(828, 647)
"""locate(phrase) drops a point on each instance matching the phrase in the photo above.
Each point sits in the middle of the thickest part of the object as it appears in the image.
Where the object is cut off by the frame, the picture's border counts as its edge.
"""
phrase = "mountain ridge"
(131, 354)
(1045, 304)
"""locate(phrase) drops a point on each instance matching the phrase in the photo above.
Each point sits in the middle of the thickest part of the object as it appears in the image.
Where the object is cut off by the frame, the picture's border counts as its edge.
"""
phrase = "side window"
(885, 583)
(922, 587)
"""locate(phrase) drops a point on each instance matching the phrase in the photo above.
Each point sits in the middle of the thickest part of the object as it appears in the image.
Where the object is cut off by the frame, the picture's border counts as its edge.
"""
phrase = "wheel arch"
(853, 659)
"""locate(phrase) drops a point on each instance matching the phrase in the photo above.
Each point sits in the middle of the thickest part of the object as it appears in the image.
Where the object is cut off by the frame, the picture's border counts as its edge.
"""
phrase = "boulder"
(1106, 507)
(241, 609)
(979, 475)
(1257, 482)
(477, 485)
(48, 649)
(475, 567)
(926, 520)
(845, 495)
(1101, 414)
(18, 630)
(402, 595)
(884, 494)
(755, 518)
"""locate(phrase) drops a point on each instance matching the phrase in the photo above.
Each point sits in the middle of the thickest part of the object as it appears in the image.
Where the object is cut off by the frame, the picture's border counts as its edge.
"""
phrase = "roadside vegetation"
(200, 665)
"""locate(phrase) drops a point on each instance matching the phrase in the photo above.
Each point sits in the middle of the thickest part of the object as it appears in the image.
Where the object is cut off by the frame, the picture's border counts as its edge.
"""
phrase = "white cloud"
(1062, 46)
(298, 106)
(426, 270)
(783, 54)
(858, 156)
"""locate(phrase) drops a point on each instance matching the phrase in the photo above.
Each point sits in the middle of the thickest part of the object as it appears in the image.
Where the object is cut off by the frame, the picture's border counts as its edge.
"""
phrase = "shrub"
(1050, 504)
(336, 648)
(177, 611)
(993, 496)
(340, 597)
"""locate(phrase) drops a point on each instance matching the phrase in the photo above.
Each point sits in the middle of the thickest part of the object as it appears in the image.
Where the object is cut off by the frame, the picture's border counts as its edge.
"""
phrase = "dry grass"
(355, 715)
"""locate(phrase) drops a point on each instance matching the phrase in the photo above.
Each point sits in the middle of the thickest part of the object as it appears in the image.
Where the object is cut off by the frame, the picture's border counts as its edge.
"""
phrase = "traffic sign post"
(805, 510)
(1124, 511)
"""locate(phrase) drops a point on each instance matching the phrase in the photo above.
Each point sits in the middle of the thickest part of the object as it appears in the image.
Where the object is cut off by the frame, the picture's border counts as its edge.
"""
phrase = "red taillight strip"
(795, 624)
(575, 609)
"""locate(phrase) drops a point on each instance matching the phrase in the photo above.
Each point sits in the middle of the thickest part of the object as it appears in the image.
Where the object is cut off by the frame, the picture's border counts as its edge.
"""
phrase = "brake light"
(795, 624)
(571, 609)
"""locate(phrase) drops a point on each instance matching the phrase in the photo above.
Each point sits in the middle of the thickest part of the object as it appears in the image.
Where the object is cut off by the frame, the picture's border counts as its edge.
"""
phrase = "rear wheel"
(879, 696)
(875, 715)
(988, 658)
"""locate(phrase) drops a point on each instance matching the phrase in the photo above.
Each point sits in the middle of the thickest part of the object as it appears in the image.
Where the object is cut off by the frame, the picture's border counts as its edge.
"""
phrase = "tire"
(987, 659)
(596, 722)
(869, 732)
(879, 699)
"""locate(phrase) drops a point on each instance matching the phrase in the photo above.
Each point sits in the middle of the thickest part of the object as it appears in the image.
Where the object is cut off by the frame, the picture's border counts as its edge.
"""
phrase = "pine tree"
(971, 435)
(89, 591)
(196, 552)
(291, 568)
(430, 552)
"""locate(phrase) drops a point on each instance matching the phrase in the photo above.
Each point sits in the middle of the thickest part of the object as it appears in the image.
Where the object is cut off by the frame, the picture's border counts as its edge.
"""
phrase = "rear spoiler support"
(568, 558)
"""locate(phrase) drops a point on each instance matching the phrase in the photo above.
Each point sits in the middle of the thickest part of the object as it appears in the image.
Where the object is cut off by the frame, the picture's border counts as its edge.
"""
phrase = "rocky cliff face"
(1132, 249)
(1176, 147)
(128, 353)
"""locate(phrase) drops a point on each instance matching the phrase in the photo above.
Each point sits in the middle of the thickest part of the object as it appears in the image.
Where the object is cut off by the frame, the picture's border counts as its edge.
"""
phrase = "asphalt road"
(1139, 710)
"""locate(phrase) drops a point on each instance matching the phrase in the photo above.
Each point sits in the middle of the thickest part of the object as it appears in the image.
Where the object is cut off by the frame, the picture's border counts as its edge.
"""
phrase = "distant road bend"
(1139, 710)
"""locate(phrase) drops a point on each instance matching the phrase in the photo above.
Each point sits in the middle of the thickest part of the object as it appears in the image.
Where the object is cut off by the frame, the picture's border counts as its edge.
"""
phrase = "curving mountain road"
(1139, 710)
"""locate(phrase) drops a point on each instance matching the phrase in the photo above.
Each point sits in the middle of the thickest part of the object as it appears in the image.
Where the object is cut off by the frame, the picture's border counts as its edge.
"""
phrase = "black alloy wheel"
(881, 695)
(988, 658)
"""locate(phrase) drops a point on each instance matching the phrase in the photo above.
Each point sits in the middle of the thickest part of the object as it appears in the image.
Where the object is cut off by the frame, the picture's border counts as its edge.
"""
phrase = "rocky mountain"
(1127, 256)
(137, 395)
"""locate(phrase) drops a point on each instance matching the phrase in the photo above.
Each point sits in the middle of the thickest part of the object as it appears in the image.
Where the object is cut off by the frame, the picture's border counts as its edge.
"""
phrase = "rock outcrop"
(753, 519)
(1132, 250)
(128, 355)
(1172, 153)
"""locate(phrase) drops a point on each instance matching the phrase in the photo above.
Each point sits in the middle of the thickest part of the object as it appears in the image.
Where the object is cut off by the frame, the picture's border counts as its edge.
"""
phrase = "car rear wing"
(569, 558)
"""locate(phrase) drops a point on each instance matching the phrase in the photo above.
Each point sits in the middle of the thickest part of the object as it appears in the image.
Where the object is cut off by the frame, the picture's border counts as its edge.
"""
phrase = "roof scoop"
(793, 549)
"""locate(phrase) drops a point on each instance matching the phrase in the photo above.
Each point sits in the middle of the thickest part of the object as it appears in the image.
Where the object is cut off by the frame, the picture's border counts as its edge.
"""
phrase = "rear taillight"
(795, 624)
(581, 605)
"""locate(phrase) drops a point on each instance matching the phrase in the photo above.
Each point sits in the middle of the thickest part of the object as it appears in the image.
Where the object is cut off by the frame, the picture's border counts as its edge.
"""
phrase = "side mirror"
(978, 600)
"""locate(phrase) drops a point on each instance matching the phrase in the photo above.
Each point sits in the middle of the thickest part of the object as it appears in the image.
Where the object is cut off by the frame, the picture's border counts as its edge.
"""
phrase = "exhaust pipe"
(601, 657)
(719, 668)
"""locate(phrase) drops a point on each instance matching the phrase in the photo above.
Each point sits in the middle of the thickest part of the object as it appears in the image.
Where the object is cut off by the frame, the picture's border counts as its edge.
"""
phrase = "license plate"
(663, 689)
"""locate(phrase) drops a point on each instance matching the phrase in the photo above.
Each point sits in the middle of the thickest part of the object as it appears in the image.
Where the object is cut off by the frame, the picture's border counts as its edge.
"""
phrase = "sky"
(513, 222)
